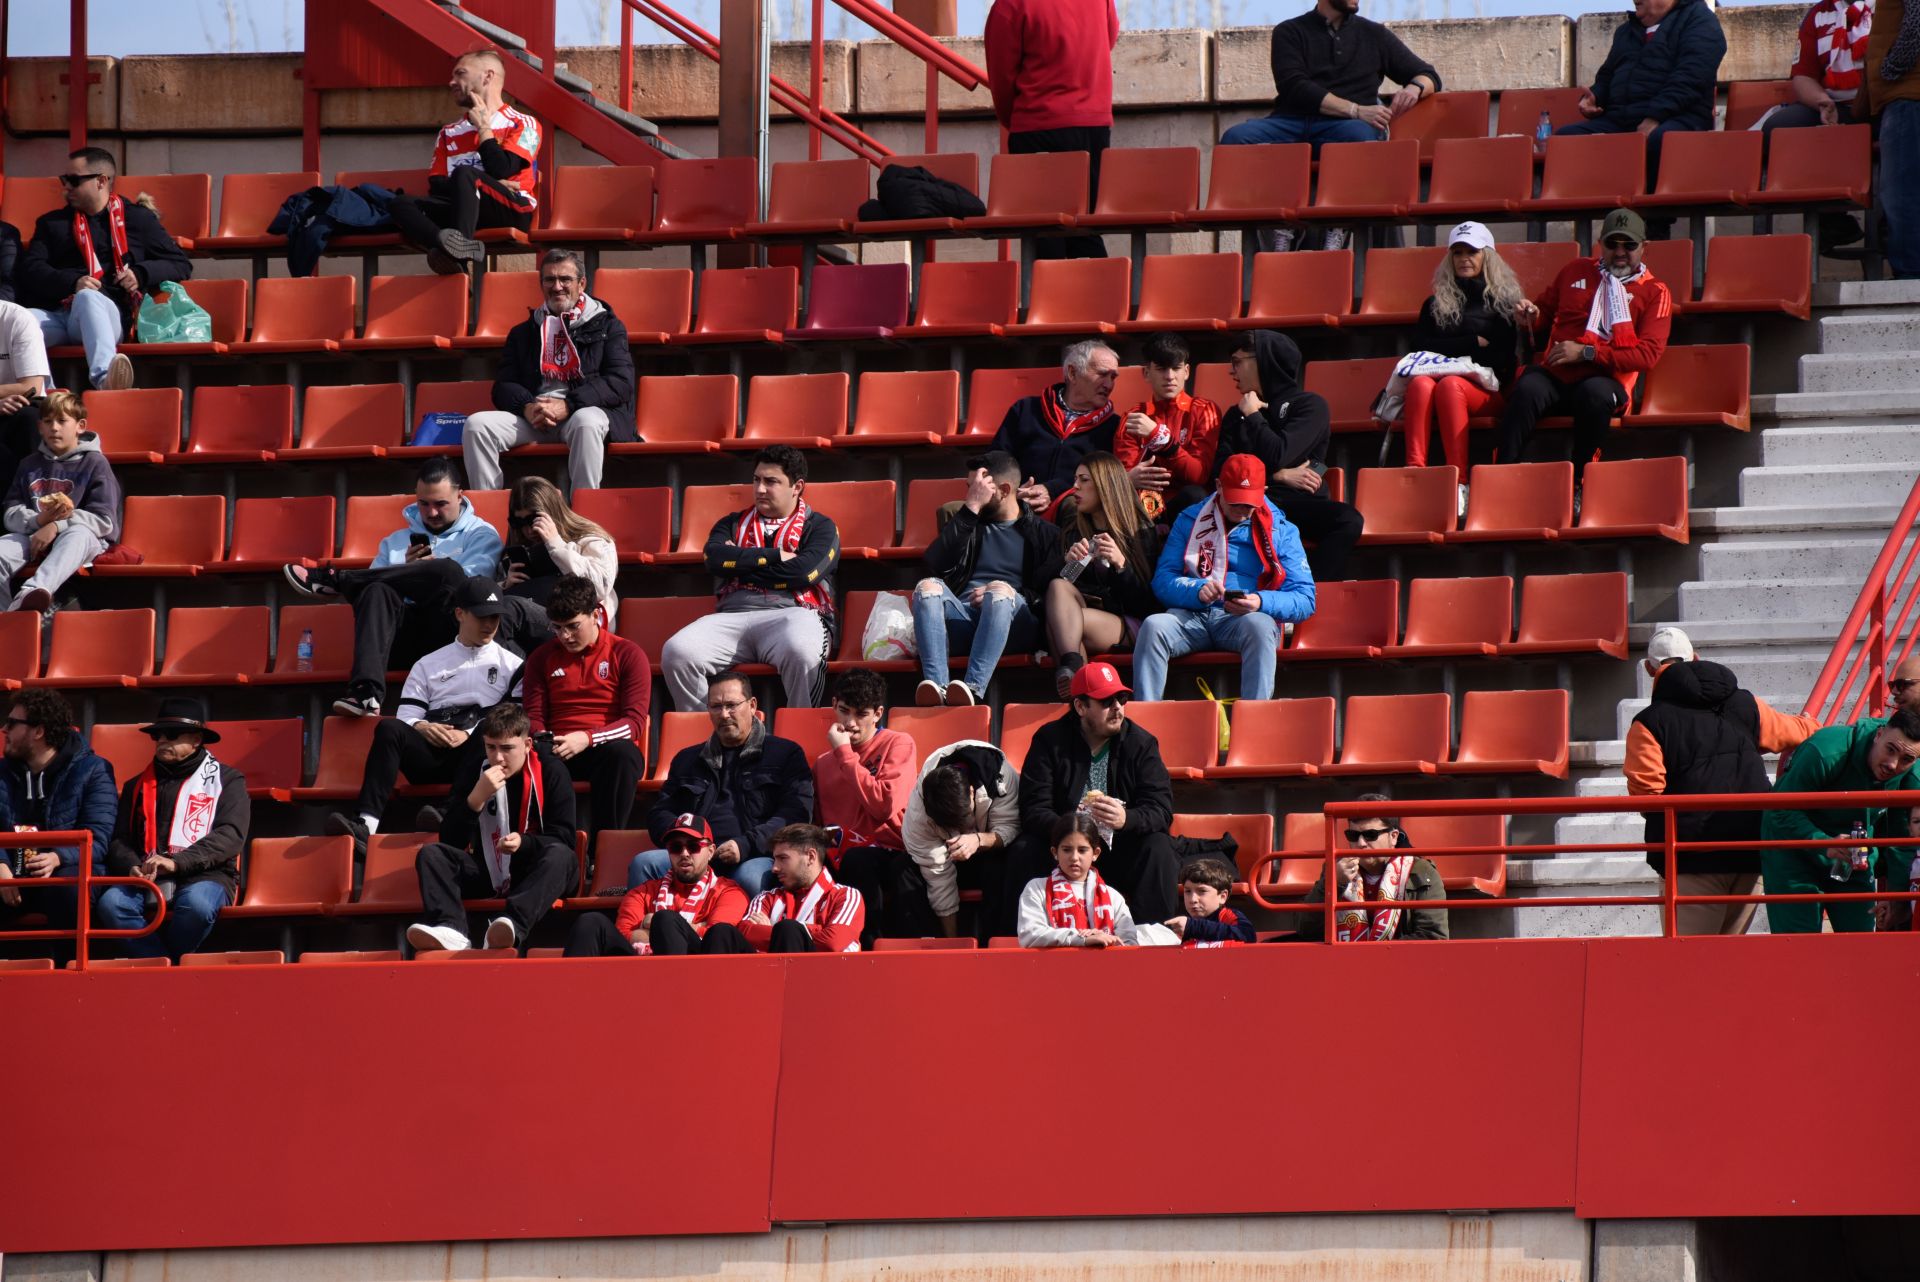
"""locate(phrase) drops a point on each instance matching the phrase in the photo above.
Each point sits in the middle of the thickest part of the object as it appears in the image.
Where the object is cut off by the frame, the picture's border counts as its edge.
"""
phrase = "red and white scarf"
(116, 231)
(194, 807)
(1842, 42)
(673, 896)
(777, 904)
(1359, 923)
(1206, 552)
(559, 358)
(1067, 422)
(1611, 306)
(749, 532)
(1067, 909)
(493, 827)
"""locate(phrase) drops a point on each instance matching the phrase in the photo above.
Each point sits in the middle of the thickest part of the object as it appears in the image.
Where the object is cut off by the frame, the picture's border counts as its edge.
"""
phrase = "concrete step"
(1755, 560)
(1843, 486)
(1793, 635)
(1866, 293)
(1888, 371)
(1627, 709)
(1601, 786)
(1857, 334)
(1808, 599)
(1604, 754)
(1879, 444)
(1765, 521)
(1841, 407)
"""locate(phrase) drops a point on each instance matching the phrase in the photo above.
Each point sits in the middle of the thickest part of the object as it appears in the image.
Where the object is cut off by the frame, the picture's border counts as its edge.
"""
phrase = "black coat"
(51, 266)
(766, 785)
(1042, 454)
(215, 857)
(1054, 778)
(1477, 321)
(9, 260)
(1669, 78)
(460, 826)
(1708, 730)
(1126, 591)
(956, 550)
(606, 372)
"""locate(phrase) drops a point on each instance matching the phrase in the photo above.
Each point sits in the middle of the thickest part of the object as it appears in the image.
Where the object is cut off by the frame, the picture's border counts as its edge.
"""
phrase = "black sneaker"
(444, 263)
(1837, 230)
(456, 246)
(309, 582)
(348, 826)
(428, 819)
(357, 703)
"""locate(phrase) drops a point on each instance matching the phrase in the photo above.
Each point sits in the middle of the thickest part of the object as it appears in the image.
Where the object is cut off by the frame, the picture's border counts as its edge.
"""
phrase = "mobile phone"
(516, 554)
(1319, 466)
(835, 834)
(419, 540)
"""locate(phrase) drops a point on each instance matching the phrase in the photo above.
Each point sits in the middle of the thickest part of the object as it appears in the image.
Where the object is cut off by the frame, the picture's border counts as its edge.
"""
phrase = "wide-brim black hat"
(182, 714)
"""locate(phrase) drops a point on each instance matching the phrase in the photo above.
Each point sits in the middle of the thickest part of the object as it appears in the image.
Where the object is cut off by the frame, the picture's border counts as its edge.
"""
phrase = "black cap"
(182, 713)
(480, 596)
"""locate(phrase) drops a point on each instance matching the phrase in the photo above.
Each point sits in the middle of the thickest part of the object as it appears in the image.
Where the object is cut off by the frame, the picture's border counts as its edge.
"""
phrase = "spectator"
(1169, 440)
(1703, 733)
(87, 266)
(1377, 877)
(1904, 684)
(1230, 574)
(1072, 906)
(1893, 98)
(589, 689)
(1209, 923)
(549, 539)
(25, 375)
(63, 507)
(669, 915)
(1093, 761)
(1105, 587)
(1874, 754)
(483, 170)
(1897, 914)
(1287, 428)
(860, 789)
(446, 694)
(773, 570)
(1470, 316)
(1051, 433)
(183, 823)
(50, 781)
(803, 912)
(1826, 76)
(9, 261)
(1659, 77)
(745, 782)
(508, 833)
(566, 371)
(402, 602)
(1605, 322)
(990, 563)
(962, 817)
(1050, 71)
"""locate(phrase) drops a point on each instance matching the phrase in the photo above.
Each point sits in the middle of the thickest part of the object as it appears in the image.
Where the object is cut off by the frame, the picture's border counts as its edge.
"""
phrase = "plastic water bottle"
(1856, 860)
(1542, 132)
(1862, 860)
(303, 653)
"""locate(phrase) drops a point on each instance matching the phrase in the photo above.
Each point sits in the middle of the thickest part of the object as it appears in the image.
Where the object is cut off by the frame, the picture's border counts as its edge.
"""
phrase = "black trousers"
(1332, 527)
(1091, 140)
(596, 935)
(910, 916)
(789, 936)
(1593, 401)
(398, 747)
(1141, 866)
(541, 872)
(873, 871)
(19, 438)
(455, 201)
(401, 612)
(612, 773)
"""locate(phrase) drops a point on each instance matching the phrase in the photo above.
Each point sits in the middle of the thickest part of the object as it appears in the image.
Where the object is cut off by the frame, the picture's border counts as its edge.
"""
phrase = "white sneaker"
(434, 939)
(500, 934)
(119, 375)
(929, 694)
(1335, 238)
(1462, 514)
(960, 695)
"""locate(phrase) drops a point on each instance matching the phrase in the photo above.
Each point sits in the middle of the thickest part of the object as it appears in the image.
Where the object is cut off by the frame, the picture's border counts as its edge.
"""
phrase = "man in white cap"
(1702, 734)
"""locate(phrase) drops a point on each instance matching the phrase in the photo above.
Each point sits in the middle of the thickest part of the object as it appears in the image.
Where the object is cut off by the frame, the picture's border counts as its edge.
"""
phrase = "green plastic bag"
(171, 316)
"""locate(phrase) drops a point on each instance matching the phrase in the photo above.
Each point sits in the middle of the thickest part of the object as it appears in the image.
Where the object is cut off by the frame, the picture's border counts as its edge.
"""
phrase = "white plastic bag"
(889, 633)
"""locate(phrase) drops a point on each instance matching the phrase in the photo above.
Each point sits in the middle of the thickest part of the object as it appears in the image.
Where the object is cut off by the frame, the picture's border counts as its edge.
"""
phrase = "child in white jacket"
(1072, 907)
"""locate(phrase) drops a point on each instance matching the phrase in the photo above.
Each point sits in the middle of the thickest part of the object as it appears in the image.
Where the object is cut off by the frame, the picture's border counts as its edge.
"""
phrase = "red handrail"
(83, 928)
(1871, 660)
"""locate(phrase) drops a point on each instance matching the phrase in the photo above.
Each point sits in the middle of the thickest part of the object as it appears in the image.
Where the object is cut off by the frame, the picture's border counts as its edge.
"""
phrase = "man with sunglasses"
(565, 373)
(183, 823)
(1092, 759)
(669, 915)
(1373, 881)
(50, 781)
(1904, 685)
(90, 262)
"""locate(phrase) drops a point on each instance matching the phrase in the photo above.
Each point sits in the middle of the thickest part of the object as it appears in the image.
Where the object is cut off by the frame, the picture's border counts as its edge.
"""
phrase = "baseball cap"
(480, 596)
(1669, 644)
(1624, 222)
(1474, 234)
(1097, 681)
(1243, 479)
(692, 826)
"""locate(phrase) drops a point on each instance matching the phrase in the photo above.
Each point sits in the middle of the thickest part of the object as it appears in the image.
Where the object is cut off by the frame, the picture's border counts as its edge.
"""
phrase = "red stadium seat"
(177, 534)
(1188, 731)
(961, 944)
(506, 299)
(1045, 190)
(1830, 164)
(468, 397)
(1259, 183)
(1633, 498)
(1591, 172)
(300, 314)
(125, 748)
(1351, 388)
(700, 507)
(993, 391)
(1572, 614)
(908, 407)
(1485, 873)
(239, 425)
(370, 519)
(294, 877)
(1707, 169)
(344, 743)
(1145, 187)
(924, 499)
(961, 167)
(932, 729)
(806, 727)
(1214, 381)
(1516, 501)
(597, 203)
(1758, 274)
(19, 648)
(31, 963)
(268, 753)
(184, 202)
(1252, 834)
(813, 198)
(1449, 116)
(854, 609)
(1456, 618)
(613, 851)
(1701, 386)
(213, 646)
(26, 197)
(351, 957)
(1354, 619)
(225, 302)
(1366, 181)
(650, 622)
(1018, 722)
(1520, 109)
(1278, 739)
(1397, 282)
(966, 300)
(746, 305)
(1298, 290)
(352, 421)
(805, 411)
(1478, 176)
(405, 312)
(123, 963)
(332, 628)
(1508, 732)
(690, 414)
(1748, 100)
(1407, 504)
(137, 425)
(861, 510)
(1671, 262)
(1076, 296)
(654, 303)
(1187, 292)
(1537, 263)
(1394, 734)
(702, 201)
(248, 203)
(857, 302)
(640, 520)
(678, 732)
(389, 885)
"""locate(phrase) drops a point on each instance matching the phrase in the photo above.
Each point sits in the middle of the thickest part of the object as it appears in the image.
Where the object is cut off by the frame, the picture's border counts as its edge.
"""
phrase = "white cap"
(1474, 234)
(1669, 644)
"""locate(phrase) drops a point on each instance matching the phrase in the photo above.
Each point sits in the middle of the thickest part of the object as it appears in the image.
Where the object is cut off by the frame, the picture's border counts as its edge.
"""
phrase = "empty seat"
(137, 425)
(992, 393)
(701, 506)
(213, 645)
(1671, 262)
(19, 648)
(1536, 264)
(1407, 504)
(1572, 614)
(1456, 618)
(1485, 872)
(332, 629)
(1590, 172)
(1018, 722)
(26, 197)
(1520, 109)
(679, 731)
(389, 885)
(1516, 501)
(1479, 176)
(690, 414)
(966, 300)
(1700, 386)
(1705, 169)
(239, 425)
(267, 752)
(1830, 164)
(906, 407)
(746, 305)
(1252, 835)
(640, 520)
(351, 956)
(802, 410)
(813, 198)
(1188, 731)
(1187, 292)
(860, 301)
(1758, 274)
(175, 533)
(861, 510)
(1144, 187)
(123, 963)
(1033, 192)
(1354, 619)
(1389, 734)
(597, 203)
(651, 622)
(29, 963)
(1748, 100)
(1300, 289)
(99, 648)
(412, 311)
(1439, 117)
(124, 747)
(248, 203)
(294, 877)
(506, 299)
(924, 500)
(1350, 388)
(225, 302)
(1256, 183)
(1366, 181)
(352, 421)
(300, 314)
(341, 762)
(1633, 498)
(1076, 296)
(654, 303)
(1277, 739)
(1397, 282)
(703, 200)
(268, 533)
(932, 729)
(1509, 732)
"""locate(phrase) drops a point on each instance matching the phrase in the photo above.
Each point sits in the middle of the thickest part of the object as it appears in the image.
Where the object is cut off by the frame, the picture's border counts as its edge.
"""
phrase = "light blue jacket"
(469, 540)
(1291, 602)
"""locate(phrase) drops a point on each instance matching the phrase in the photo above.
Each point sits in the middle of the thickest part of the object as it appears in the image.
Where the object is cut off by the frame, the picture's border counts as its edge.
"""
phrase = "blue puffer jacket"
(1669, 78)
(80, 794)
(310, 219)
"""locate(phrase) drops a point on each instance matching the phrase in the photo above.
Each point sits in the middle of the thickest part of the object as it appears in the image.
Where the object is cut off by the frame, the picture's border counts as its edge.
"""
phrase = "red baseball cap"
(1243, 479)
(1097, 681)
(692, 826)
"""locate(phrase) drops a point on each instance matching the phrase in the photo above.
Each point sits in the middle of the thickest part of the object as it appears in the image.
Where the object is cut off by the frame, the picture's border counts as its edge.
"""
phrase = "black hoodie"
(1294, 427)
(1708, 730)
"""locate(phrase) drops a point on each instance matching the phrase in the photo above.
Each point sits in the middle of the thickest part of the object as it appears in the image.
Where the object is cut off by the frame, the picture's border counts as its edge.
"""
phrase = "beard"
(1621, 271)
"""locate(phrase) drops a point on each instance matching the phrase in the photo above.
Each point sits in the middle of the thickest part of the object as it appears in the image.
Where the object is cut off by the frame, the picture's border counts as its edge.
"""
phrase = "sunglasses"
(74, 181)
(17, 721)
(683, 846)
(1367, 834)
(1111, 701)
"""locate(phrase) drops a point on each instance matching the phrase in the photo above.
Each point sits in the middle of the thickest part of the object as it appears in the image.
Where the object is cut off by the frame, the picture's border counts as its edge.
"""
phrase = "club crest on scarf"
(117, 230)
(559, 358)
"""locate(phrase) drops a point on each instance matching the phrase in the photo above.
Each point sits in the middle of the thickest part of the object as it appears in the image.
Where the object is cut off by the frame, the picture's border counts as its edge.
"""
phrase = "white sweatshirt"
(1036, 933)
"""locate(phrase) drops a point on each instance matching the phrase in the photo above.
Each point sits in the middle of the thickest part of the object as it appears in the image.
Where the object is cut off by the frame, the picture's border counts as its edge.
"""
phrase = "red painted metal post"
(1329, 884)
(626, 58)
(77, 87)
(1876, 689)
(83, 914)
(933, 108)
(1670, 884)
(817, 74)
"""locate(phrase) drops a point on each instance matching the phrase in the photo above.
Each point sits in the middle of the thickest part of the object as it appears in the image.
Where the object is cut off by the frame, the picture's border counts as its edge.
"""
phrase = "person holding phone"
(548, 539)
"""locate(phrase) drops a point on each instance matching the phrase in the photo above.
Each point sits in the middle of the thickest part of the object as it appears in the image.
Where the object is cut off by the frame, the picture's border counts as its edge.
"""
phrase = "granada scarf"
(1611, 306)
(1358, 923)
(194, 807)
(493, 828)
(671, 897)
(1206, 553)
(773, 903)
(117, 230)
(750, 533)
(1066, 910)
(559, 358)
(1842, 39)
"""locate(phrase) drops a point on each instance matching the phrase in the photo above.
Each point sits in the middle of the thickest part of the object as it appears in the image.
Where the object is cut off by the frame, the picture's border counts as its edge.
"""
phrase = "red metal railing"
(1885, 609)
(84, 883)
(1668, 806)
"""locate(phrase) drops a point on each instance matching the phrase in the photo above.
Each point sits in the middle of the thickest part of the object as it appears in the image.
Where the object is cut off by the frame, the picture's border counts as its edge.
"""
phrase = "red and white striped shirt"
(516, 131)
(833, 914)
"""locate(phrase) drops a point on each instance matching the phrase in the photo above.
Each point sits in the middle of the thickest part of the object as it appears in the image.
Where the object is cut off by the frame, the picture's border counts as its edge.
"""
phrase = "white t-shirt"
(23, 353)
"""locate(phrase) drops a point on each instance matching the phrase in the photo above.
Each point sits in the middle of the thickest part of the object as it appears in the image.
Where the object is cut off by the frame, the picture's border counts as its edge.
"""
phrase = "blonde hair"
(60, 403)
(1119, 515)
(1503, 292)
(542, 495)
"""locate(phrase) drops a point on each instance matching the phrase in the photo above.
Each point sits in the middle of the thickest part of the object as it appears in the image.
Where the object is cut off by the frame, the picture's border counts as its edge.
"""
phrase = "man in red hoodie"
(807, 912)
(1606, 323)
(1050, 68)
(589, 689)
(860, 787)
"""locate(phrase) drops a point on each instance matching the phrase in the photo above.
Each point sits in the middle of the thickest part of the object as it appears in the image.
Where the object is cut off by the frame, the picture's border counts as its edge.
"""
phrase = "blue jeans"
(90, 320)
(1900, 185)
(1165, 637)
(753, 875)
(1280, 127)
(190, 915)
(982, 632)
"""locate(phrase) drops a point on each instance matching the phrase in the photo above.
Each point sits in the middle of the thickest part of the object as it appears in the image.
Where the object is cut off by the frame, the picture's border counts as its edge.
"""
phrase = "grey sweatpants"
(793, 641)
(75, 546)
(492, 432)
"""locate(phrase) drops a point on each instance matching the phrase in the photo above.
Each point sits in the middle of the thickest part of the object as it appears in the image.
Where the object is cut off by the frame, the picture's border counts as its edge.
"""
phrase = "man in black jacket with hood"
(566, 371)
(1287, 428)
(183, 822)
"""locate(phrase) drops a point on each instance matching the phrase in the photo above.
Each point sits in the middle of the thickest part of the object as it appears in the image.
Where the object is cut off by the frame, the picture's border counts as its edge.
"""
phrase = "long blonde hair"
(538, 494)
(1120, 514)
(1503, 292)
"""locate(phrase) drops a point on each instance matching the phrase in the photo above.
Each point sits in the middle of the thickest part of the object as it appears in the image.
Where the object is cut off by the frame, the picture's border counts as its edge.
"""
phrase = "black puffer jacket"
(606, 371)
(1708, 730)
(909, 191)
(1669, 78)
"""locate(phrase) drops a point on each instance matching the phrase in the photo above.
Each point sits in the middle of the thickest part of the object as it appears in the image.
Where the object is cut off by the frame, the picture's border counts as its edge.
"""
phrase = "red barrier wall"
(555, 1099)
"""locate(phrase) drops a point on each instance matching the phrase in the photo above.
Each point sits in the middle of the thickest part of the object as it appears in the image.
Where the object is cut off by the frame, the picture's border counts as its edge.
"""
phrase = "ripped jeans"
(943, 621)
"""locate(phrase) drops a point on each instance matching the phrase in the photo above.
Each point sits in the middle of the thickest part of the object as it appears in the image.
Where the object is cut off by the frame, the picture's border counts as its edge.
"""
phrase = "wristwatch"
(1587, 352)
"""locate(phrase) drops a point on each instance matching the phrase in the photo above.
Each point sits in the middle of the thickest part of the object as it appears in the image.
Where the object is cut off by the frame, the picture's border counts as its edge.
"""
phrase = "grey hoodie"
(82, 474)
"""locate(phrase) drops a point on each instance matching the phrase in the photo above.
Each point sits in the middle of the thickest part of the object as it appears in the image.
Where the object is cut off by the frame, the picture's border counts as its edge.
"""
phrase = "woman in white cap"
(1470, 317)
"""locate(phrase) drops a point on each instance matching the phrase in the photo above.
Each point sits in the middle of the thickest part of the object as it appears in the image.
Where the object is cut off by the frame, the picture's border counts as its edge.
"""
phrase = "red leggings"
(1452, 401)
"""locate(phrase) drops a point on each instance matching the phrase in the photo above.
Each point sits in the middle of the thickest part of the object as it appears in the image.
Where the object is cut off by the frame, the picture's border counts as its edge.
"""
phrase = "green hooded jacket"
(1835, 760)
